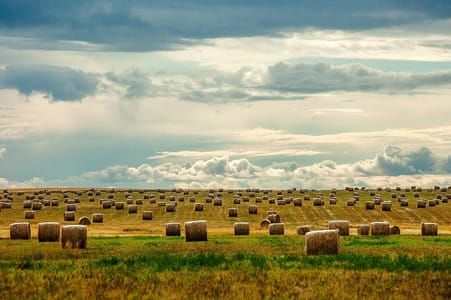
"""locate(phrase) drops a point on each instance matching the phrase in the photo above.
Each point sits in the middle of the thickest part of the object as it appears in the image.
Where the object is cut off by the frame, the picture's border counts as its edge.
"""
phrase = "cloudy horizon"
(225, 94)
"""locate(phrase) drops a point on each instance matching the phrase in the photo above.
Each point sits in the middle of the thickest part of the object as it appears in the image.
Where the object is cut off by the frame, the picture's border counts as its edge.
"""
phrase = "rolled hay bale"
(377, 201)
(350, 202)
(431, 203)
(253, 209)
(341, 225)
(196, 231)
(258, 200)
(416, 195)
(20, 231)
(49, 232)
(54, 202)
(217, 202)
(380, 228)
(236, 201)
(233, 212)
(241, 228)
(69, 216)
(108, 204)
(421, 204)
(152, 201)
(445, 199)
(36, 206)
(147, 215)
(169, 207)
(302, 230)
(133, 209)
(97, 218)
(372, 193)
(369, 205)
(160, 203)
(386, 206)
(71, 207)
(265, 223)
(363, 229)
(29, 215)
(27, 204)
(84, 221)
(276, 229)
(199, 207)
(272, 201)
(404, 203)
(192, 199)
(322, 242)
(139, 201)
(332, 201)
(274, 218)
(395, 230)
(297, 202)
(129, 201)
(74, 236)
(429, 228)
(317, 201)
(281, 202)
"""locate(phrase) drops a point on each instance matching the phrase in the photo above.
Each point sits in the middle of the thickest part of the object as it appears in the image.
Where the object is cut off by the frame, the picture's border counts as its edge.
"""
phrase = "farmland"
(128, 257)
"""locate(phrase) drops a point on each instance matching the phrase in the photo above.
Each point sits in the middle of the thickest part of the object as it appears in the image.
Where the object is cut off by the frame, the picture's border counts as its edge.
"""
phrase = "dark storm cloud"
(61, 83)
(156, 25)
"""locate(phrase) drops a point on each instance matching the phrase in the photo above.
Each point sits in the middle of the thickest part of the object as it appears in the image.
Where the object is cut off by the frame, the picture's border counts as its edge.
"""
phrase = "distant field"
(127, 257)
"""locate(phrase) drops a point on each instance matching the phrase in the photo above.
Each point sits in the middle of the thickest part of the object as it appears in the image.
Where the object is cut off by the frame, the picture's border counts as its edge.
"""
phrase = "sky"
(233, 94)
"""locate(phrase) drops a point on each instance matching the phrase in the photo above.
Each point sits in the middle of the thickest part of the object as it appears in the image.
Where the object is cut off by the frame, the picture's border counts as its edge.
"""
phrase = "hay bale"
(421, 204)
(74, 236)
(20, 231)
(395, 230)
(108, 204)
(173, 229)
(281, 202)
(322, 242)
(380, 228)
(69, 216)
(84, 221)
(192, 199)
(297, 202)
(265, 223)
(276, 229)
(350, 202)
(404, 203)
(147, 215)
(369, 205)
(133, 209)
(233, 212)
(302, 230)
(253, 209)
(363, 229)
(139, 201)
(236, 201)
(341, 225)
(97, 218)
(274, 218)
(318, 202)
(217, 202)
(241, 228)
(333, 201)
(27, 204)
(431, 203)
(54, 202)
(272, 201)
(49, 232)
(36, 206)
(170, 207)
(199, 207)
(71, 207)
(29, 215)
(196, 231)
(429, 228)
(386, 206)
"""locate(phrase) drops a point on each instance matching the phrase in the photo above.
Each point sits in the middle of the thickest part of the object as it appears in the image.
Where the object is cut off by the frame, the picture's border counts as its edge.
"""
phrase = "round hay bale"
(380, 228)
(119, 205)
(363, 229)
(192, 199)
(170, 207)
(133, 209)
(333, 201)
(199, 207)
(74, 236)
(55, 202)
(236, 201)
(241, 228)
(69, 216)
(71, 207)
(341, 225)
(97, 218)
(29, 215)
(416, 195)
(350, 202)
(386, 206)
(421, 204)
(431, 203)
(302, 230)
(49, 232)
(274, 218)
(297, 202)
(147, 215)
(196, 231)
(369, 205)
(129, 201)
(377, 201)
(139, 201)
(395, 230)
(276, 229)
(317, 202)
(84, 221)
(404, 203)
(108, 204)
(20, 231)
(429, 228)
(36, 206)
(27, 204)
(217, 202)
(173, 229)
(322, 242)
(265, 223)
(272, 201)
(233, 212)
(281, 202)
(253, 209)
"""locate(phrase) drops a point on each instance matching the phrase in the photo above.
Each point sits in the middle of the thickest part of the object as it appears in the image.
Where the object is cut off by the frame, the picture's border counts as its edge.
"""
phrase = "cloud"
(59, 83)
(2, 152)
(143, 26)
